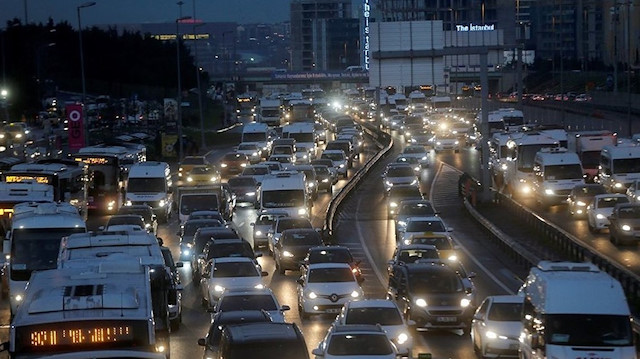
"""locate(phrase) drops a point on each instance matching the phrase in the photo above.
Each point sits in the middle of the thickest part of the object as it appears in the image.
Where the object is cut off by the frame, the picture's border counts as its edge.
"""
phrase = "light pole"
(203, 143)
(179, 109)
(84, 87)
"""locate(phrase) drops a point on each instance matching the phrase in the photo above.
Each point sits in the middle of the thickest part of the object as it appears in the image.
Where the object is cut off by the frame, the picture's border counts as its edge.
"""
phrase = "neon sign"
(366, 12)
(472, 27)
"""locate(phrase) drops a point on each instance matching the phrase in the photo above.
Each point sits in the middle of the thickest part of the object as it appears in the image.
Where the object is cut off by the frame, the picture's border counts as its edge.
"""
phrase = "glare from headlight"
(218, 288)
(325, 180)
(414, 182)
(255, 154)
(402, 338)
(287, 254)
(312, 295)
(464, 302)
(128, 203)
(393, 205)
(548, 192)
(626, 227)
(302, 211)
(581, 204)
(618, 185)
(491, 335)
(251, 194)
(214, 179)
(189, 179)
(453, 258)
(421, 302)
(18, 298)
(223, 165)
(243, 165)
(259, 286)
(258, 233)
(424, 158)
(355, 294)
(402, 224)
(162, 203)
(342, 165)
(457, 142)
(600, 216)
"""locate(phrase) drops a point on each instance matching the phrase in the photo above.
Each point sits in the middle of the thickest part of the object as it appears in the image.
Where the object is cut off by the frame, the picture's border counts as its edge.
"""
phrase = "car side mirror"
(317, 352)
(258, 254)
(202, 342)
(300, 281)
(264, 274)
(285, 307)
(179, 265)
(471, 275)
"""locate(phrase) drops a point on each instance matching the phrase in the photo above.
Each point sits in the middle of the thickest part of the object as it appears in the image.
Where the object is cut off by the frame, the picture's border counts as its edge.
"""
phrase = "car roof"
(233, 259)
(424, 218)
(363, 328)
(328, 265)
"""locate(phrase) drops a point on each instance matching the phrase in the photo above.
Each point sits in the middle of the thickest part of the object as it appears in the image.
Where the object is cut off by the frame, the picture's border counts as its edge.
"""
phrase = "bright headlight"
(421, 302)
(355, 294)
(457, 142)
(491, 335)
(302, 211)
(453, 258)
(525, 188)
(424, 158)
(147, 225)
(287, 254)
(18, 135)
(312, 295)
(503, 167)
(1, 135)
(18, 298)
(186, 252)
(162, 203)
(342, 165)
(402, 224)
(626, 227)
(618, 185)
(600, 216)
(581, 204)
(243, 165)
(189, 179)
(311, 184)
(438, 143)
(393, 205)
(258, 286)
(128, 203)
(251, 194)
(258, 233)
(214, 179)
(402, 338)
(325, 180)
(255, 154)
(464, 302)
(389, 183)
(549, 192)
(218, 288)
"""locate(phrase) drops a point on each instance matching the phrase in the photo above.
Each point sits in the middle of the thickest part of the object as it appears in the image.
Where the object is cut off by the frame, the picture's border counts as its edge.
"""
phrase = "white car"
(338, 159)
(251, 150)
(419, 152)
(252, 299)
(443, 142)
(398, 174)
(419, 226)
(225, 273)
(355, 342)
(383, 312)
(633, 191)
(496, 326)
(304, 154)
(601, 208)
(257, 171)
(263, 224)
(326, 287)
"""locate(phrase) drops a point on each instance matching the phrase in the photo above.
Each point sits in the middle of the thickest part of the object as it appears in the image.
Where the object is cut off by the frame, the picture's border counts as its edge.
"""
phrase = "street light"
(179, 110)
(84, 87)
(203, 143)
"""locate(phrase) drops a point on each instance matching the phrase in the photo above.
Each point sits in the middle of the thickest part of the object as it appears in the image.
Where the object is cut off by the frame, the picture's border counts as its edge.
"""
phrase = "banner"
(76, 128)
(168, 145)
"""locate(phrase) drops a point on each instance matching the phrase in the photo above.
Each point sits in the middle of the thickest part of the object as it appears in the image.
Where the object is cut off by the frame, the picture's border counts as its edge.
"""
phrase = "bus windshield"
(36, 249)
(146, 185)
(283, 198)
(198, 202)
(627, 165)
(591, 330)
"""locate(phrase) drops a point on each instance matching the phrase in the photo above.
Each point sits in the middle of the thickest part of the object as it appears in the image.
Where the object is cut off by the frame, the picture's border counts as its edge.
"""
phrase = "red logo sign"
(76, 129)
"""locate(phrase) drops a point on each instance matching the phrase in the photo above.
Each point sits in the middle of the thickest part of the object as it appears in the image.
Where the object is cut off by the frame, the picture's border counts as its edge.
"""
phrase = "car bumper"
(324, 306)
(442, 319)
(601, 223)
(499, 348)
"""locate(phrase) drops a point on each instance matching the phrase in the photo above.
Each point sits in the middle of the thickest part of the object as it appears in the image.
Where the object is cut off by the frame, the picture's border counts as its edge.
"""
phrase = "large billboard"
(75, 117)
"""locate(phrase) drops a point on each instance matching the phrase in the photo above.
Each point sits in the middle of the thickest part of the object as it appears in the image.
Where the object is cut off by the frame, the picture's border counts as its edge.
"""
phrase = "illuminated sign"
(26, 178)
(96, 160)
(79, 336)
(472, 27)
(172, 37)
(366, 12)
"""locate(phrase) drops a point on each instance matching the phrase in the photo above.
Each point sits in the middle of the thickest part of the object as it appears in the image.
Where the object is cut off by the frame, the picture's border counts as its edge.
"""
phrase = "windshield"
(425, 226)
(36, 249)
(242, 182)
(201, 170)
(527, 154)
(416, 209)
(513, 120)
(414, 150)
(301, 239)
(374, 315)
(435, 282)
(400, 171)
(280, 349)
(235, 269)
(146, 185)
(198, 202)
(302, 137)
(145, 213)
(330, 256)
(330, 275)
(413, 255)
(237, 249)
(441, 243)
(629, 212)
(270, 113)
(590, 159)
(247, 302)
(282, 150)
(359, 344)
(116, 220)
(190, 227)
(610, 202)
(627, 165)
(292, 223)
(588, 330)
(496, 125)
(505, 312)
(322, 170)
(105, 178)
(254, 137)
(588, 191)
(562, 172)
(337, 156)
(283, 198)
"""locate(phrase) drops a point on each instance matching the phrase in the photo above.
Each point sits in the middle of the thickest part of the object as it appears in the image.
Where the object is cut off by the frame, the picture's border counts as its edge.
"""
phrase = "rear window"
(301, 239)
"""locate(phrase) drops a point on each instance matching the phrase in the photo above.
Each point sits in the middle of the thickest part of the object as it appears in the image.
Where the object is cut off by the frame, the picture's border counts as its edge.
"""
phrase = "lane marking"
(379, 275)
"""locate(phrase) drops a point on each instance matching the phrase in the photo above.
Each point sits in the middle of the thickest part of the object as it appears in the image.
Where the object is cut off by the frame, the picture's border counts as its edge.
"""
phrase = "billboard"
(76, 127)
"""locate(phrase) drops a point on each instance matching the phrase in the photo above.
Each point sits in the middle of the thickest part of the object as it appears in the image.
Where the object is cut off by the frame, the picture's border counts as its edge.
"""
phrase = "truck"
(574, 310)
(303, 133)
(257, 133)
(18, 192)
(619, 167)
(301, 110)
(588, 145)
(556, 172)
(417, 101)
(269, 111)
(519, 175)
(286, 192)
(215, 197)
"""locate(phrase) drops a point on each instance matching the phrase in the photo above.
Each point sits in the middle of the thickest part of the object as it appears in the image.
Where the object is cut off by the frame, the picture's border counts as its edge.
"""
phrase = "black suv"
(293, 246)
(433, 295)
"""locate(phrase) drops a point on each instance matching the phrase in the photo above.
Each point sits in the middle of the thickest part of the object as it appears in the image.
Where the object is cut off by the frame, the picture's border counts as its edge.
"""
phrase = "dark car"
(333, 254)
(125, 219)
(264, 341)
(581, 196)
(218, 248)
(399, 193)
(233, 163)
(203, 236)
(144, 210)
(624, 227)
(244, 189)
(174, 296)
(188, 230)
(412, 208)
(324, 178)
(293, 246)
(212, 341)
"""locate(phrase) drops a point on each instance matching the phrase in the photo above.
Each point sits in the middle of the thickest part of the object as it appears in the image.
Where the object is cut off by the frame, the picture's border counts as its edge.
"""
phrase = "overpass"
(326, 79)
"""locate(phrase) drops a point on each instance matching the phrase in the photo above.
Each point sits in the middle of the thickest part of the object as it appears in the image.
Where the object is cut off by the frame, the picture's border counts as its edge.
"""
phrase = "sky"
(145, 11)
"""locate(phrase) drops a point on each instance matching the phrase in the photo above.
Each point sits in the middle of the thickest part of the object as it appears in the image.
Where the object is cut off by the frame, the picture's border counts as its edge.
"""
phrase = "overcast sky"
(145, 11)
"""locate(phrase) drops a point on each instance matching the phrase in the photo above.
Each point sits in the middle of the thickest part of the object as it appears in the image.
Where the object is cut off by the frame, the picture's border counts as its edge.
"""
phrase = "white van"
(150, 183)
(286, 192)
(556, 172)
(619, 167)
(258, 133)
(574, 310)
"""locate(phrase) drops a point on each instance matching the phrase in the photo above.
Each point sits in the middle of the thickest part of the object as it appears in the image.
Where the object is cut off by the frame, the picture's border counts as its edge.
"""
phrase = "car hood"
(440, 300)
(332, 288)
(234, 282)
(509, 329)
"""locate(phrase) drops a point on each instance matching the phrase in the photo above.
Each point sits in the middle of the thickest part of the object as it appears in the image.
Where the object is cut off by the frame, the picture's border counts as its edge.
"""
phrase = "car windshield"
(242, 182)
(201, 170)
(590, 330)
(505, 312)
(610, 202)
(374, 315)
(233, 157)
(145, 213)
(336, 156)
(330, 256)
(116, 220)
(561, 172)
(359, 344)
(425, 226)
(626, 165)
(441, 243)
(321, 170)
(413, 255)
(292, 223)
(301, 239)
(435, 282)
(400, 171)
(247, 302)
(235, 269)
(247, 147)
(330, 275)
(146, 184)
(190, 227)
(283, 198)
(416, 209)
(236, 249)
(629, 212)
(192, 203)
(527, 154)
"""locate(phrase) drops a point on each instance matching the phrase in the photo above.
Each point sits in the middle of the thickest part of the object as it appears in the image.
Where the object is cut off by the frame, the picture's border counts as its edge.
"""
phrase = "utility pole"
(203, 143)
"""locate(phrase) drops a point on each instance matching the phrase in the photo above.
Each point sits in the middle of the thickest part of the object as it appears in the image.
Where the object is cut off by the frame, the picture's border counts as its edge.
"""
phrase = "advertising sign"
(168, 145)
(76, 129)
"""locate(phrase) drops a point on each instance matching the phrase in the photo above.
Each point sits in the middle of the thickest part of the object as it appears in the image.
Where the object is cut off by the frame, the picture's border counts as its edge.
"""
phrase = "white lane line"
(464, 249)
(379, 275)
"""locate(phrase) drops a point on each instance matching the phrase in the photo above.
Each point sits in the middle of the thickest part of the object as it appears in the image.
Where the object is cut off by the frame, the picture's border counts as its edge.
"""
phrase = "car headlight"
(19, 135)
(464, 302)
(287, 254)
(342, 165)
(388, 183)
(581, 204)
(549, 192)
(618, 185)
(503, 167)
(491, 335)
(243, 165)
(162, 203)
(424, 158)
(214, 179)
(258, 286)
(355, 294)
(1, 135)
(525, 188)
(147, 225)
(302, 211)
(421, 302)
(189, 179)
(311, 184)
(402, 338)
(393, 205)
(218, 288)
(438, 143)
(453, 258)
(128, 203)
(325, 180)
(457, 142)
(600, 216)
(250, 194)
(402, 224)
(626, 227)
(223, 165)
(312, 295)
(258, 233)
(255, 154)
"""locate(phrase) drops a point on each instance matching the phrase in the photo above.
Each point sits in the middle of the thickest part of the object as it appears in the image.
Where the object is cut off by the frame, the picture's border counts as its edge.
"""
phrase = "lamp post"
(179, 97)
(203, 143)
(84, 87)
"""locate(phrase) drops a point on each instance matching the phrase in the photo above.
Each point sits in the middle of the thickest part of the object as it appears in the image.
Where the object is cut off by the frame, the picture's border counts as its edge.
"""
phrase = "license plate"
(333, 310)
(446, 319)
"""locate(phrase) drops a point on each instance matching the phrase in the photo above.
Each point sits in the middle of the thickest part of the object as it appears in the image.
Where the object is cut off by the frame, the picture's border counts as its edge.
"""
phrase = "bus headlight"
(302, 211)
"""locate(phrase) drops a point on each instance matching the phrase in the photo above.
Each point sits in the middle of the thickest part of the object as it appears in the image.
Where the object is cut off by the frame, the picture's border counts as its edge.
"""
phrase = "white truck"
(257, 133)
(556, 172)
(619, 167)
(269, 111)
(303, 133)
(519, 172)
(150, 183)
(574, 310)
(417, 101)
(588, 145)
(215, 197)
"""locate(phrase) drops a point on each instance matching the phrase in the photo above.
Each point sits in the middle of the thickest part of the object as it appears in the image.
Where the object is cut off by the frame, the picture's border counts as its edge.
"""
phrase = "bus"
(33, 241)
(69, 179)
(108, 174)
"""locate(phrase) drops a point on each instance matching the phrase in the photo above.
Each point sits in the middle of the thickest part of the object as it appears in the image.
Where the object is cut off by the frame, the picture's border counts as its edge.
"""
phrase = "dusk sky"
(145, 11)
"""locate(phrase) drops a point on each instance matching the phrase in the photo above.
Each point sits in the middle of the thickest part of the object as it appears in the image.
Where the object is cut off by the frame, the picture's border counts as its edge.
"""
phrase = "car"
(581, 196)
(242, 299)
(188, 230)
(233, 163)
(174, 297)
(244, 189)
(257, 171)
(251, 150)
(327, 162)
(446, 141)
(339, 161)
(273, 165)
(412, 208)
(433, 295)
(411, 161)
(624, 227)
(293, 246)
(332, 254)
(208, 215)
(16, 132)
(129, 228)
(325, 287)
(395, 122)
(600, 209)
(220, 274)
(355, 341)
(263, 340)
(382, 312)
(304, 153)
(442, 242)
(411, 253)
(419, 152)
(282, 158)
(324, 177)
(188, 162)
(283, 223)
(633, 191)
(417, 226)
(496, 326)
(310, 178)
(212, 341)
(263, 224)
(199, 241)
(150, 219)
(203, 175)
(399, 193)
(125, 219)
(223, 246)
